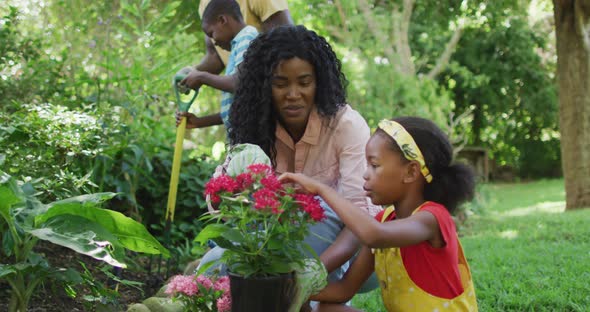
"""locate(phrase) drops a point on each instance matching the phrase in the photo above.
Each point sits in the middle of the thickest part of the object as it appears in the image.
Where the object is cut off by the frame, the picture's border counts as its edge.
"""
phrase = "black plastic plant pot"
(257, 294)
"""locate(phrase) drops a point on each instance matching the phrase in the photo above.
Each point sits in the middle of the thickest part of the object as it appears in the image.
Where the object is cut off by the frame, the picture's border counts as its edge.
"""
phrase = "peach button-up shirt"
(330, 152)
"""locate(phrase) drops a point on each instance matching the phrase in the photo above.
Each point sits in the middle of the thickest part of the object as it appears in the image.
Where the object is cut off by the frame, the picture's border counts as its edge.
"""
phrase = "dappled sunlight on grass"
(500, 198)
(543, 207)
(524, 238)
(509, 234)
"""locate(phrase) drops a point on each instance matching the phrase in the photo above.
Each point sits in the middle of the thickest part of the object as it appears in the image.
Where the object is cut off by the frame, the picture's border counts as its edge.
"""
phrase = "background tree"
(572, 25)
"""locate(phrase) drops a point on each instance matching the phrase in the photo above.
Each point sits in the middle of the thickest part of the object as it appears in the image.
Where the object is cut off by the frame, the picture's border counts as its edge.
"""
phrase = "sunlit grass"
(525, 252)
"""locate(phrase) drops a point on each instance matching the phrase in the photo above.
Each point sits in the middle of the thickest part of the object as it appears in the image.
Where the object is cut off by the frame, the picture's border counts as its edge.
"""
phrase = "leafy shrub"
(26, 71)
(76, 223)
(55, 143)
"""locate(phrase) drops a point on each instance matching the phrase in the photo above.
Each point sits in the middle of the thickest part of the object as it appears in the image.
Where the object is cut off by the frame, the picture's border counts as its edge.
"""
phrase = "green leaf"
(234, 236)
(7, 244)
(68, 275)
(10, 194)
(224, 243)
(145, 4)
(130, 8)
(6, 270)
(274, 244)
(211, 231)
(280, 267)
(83, 236)
(130, 233)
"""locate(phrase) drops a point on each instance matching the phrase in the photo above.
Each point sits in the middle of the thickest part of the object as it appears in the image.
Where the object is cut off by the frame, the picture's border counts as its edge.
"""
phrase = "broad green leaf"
(83, 236)
(10, 194)
(68, 275)
(224, 243)
(234, 235)
(211, 231)
(6, 269)
(7, 244)
(91, 200)
(35, 265)
(130, 233)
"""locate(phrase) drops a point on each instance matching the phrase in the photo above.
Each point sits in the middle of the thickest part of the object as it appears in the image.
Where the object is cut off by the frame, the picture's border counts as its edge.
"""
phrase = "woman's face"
(293, 91)
(385, 171)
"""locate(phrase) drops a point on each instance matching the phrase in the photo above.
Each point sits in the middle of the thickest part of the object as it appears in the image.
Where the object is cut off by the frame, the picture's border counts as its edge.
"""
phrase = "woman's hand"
(192, 121)
(307, 184)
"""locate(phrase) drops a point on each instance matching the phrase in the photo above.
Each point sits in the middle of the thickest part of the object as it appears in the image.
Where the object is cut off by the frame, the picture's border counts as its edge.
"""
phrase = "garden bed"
(51, 297)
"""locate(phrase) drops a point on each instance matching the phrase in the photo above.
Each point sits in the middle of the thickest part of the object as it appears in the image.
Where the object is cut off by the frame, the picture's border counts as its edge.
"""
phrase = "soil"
(50, 296)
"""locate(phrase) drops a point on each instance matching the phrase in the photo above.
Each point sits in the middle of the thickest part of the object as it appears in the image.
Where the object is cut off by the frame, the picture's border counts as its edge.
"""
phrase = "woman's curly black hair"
(252, 115)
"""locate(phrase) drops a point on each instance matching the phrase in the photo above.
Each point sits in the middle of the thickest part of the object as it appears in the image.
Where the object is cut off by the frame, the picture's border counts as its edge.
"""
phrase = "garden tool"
(175, 173)
(182, 107)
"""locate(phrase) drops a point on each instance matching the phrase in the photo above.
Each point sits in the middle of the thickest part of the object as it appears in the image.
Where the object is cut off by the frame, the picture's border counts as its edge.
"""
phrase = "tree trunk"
(572, 29)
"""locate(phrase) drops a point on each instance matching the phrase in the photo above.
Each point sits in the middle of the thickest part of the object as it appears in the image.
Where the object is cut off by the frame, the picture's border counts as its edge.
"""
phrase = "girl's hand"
(307, 184)
(192, 121)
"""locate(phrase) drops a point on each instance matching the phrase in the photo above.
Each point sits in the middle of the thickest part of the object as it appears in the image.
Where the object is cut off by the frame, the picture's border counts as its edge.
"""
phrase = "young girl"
(413, 248)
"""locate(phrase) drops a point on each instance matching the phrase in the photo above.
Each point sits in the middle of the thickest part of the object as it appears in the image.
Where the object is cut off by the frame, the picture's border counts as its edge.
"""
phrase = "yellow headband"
(406, 144)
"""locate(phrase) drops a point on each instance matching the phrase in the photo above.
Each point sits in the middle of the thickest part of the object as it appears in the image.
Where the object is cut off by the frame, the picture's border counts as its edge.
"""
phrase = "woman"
(291, 101)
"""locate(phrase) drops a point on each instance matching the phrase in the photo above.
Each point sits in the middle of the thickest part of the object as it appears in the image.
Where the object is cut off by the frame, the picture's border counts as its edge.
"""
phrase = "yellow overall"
(400, 293)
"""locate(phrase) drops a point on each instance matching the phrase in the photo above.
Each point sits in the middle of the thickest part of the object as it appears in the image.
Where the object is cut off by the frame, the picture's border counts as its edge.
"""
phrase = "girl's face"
(385, 172)
(293, 91)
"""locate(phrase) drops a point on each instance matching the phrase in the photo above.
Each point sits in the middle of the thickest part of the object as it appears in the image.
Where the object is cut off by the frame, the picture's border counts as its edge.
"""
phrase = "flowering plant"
(261, 223)
(201, 293)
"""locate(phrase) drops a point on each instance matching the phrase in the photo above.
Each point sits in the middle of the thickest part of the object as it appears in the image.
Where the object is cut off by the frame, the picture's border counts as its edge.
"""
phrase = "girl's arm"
(421, 226)
(344, 289)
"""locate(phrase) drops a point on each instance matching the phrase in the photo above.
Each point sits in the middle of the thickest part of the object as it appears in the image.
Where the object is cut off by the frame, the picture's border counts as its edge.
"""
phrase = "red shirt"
(435, 270)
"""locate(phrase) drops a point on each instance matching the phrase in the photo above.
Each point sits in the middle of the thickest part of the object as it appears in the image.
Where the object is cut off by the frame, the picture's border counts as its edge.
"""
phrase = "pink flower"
(182, 284)
(224, 303)
(311, 205)
(222, 284)
(204, 281)
(222, 183)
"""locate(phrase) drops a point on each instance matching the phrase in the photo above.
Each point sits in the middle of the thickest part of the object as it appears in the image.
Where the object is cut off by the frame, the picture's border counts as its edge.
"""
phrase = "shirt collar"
(310, 136)
(242, 32)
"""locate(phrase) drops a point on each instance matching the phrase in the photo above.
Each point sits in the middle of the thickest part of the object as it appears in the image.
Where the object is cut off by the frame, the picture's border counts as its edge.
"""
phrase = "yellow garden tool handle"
(182, 107)
(175, 170)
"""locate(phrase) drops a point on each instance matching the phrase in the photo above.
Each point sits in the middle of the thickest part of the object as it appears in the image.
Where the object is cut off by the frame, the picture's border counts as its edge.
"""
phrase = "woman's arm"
(342, 249)
(344, 289)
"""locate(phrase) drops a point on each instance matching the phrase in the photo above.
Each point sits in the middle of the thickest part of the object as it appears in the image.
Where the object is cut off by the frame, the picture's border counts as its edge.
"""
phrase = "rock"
(138, 307)
(163, 305)
(161, 293)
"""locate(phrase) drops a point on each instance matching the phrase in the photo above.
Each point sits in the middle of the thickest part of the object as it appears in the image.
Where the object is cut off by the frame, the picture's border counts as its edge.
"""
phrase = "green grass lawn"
(525, 252)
